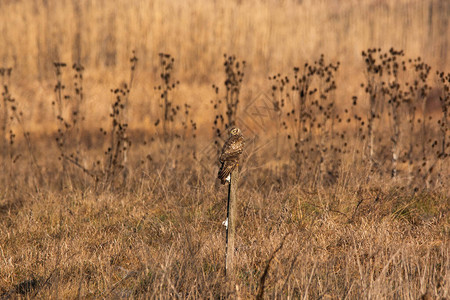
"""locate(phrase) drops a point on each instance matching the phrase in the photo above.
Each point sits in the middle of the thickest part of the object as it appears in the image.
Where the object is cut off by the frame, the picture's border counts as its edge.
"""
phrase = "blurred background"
(271, 36)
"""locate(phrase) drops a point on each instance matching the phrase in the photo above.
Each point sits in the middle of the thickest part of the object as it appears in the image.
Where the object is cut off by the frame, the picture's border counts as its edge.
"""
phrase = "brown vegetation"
(109, 163)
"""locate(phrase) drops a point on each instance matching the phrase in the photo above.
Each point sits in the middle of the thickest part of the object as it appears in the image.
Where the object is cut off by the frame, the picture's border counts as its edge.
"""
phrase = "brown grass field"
(113, 112)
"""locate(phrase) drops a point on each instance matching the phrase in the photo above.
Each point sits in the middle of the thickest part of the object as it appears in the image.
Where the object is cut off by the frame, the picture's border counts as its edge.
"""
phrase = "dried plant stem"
(424, 128)
(4, 124)
(370, 129)
(5, 73)
(26, 136)
(412, 117)
(262, 280)
(126, 110)
(395, 138)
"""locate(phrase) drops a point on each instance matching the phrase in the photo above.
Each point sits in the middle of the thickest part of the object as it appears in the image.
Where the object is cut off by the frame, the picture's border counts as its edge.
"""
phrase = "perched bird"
(231, 151)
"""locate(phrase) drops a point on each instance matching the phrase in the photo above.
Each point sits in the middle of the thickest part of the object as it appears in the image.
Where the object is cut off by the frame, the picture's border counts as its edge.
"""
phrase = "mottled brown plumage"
(231, 151)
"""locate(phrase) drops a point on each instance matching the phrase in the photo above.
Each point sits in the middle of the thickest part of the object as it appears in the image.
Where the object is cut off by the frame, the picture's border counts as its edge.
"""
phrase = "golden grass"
(272, 36)
(165, 239)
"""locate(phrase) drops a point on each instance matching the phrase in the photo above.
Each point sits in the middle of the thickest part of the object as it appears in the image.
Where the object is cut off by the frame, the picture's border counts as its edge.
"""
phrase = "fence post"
(231, 224)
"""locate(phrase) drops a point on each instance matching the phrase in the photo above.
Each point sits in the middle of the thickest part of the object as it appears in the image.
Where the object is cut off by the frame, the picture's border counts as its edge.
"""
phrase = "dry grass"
(272, 36)
(164, 237)
(135, 211)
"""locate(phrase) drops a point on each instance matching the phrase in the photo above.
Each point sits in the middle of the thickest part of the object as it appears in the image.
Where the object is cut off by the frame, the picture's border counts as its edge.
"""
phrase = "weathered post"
(231, 223)
(229, 158)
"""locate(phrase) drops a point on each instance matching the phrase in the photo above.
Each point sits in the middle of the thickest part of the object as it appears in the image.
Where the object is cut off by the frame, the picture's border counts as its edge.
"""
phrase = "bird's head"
(235, 131)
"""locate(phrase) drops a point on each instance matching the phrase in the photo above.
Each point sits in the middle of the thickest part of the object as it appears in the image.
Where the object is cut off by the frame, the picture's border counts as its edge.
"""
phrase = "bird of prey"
(231, 151)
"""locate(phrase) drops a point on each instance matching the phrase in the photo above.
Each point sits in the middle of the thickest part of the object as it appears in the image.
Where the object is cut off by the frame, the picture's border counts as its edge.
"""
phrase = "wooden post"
(231, 223)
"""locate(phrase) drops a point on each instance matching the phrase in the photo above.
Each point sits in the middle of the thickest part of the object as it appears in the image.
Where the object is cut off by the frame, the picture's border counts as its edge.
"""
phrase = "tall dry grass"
(272, 35)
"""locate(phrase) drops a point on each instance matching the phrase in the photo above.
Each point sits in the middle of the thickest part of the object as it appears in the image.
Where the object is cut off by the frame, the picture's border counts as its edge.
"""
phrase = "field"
(113, 115)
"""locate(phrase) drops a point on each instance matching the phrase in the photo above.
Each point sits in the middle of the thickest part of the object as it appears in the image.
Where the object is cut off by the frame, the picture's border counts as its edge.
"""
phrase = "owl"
(231, 151)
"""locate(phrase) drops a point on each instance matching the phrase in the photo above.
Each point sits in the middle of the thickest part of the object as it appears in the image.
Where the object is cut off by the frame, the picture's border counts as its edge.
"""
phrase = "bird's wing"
(225, 170)
(232, 148)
